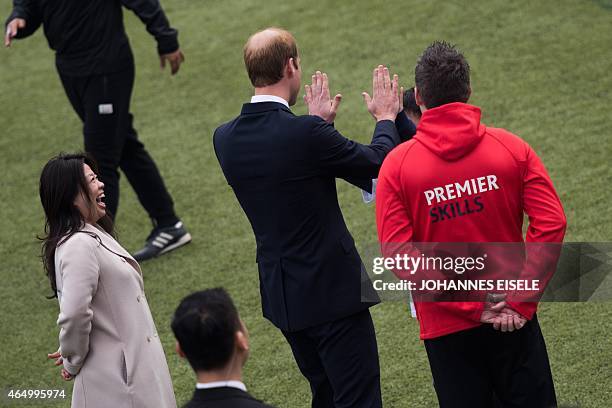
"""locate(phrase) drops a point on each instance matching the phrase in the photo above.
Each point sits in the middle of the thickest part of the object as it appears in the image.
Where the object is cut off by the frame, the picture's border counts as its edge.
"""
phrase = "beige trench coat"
(107, 335)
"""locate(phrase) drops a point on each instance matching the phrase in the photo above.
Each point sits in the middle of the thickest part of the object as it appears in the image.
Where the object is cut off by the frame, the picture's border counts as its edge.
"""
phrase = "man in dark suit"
(282, 169)
(214, 340)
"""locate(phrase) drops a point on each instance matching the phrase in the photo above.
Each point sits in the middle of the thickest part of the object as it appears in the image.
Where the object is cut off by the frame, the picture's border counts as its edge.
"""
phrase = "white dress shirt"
(218, 384)
(268, 98)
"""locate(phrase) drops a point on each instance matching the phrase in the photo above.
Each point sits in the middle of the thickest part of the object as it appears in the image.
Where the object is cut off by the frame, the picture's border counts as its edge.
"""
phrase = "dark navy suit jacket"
(224, 397)
(283, 170)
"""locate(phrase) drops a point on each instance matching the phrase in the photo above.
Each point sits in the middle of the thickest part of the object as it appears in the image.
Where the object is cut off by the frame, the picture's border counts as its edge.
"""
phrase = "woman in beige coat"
(108, 341)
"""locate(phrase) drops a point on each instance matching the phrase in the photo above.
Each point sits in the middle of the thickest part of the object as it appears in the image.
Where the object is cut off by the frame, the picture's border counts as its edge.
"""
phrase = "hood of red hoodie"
(451, 131)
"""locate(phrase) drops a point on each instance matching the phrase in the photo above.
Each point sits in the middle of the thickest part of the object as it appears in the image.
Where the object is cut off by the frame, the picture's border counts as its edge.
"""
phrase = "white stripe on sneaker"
(185, 239)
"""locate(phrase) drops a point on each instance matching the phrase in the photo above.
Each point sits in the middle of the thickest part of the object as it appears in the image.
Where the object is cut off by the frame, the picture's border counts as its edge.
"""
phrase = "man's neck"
(279, 90)
(219, 375)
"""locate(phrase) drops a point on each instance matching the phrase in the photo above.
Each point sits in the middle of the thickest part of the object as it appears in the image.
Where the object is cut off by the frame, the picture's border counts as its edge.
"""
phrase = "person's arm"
(344, 158)
(152, 15)
(405, 127)
(339, 156)
(23, 21)
(546, 230)
(80, 270)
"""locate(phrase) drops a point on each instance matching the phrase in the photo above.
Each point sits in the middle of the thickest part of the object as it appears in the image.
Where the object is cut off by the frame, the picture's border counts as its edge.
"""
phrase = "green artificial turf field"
(541, 69)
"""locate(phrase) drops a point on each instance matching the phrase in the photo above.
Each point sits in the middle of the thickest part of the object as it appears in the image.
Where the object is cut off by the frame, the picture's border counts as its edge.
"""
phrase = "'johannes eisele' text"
(472, 284)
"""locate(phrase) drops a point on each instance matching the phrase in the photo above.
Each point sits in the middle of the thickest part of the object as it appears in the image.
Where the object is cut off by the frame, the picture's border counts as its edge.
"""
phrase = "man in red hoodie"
(478, 352)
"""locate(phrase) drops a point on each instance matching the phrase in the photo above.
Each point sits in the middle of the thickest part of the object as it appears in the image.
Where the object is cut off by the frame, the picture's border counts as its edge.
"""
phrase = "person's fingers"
(394, 84)
(497, 307)
(511, 325)
(66, 375)
(182, 56)
(54, 355)
(504, 322)
(497, 323)
(518, 322)
(319, 82)
(381, 78)
(59, 362)
(308, 93)
(21, 23)
(386, 78)
(374, 81)
(10, 33)
(162, 61)
(325, 86)
(175, 64)
(367, 98)
(335, 103)
(395, 89)
(401, 98)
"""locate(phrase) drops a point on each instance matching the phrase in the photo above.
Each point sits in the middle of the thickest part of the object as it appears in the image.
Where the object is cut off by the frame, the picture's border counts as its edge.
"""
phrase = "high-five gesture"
(318, 99)
(386, 99)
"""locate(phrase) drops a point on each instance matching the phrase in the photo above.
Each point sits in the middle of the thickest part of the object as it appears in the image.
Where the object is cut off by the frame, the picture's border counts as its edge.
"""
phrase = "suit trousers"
(484, 367)
(103, 104)
(340, 360)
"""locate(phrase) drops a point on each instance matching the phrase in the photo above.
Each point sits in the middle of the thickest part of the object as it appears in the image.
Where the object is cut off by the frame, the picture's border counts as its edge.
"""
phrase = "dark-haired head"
(209, 332)
(67, 186)
(442, 75)
(412, 110)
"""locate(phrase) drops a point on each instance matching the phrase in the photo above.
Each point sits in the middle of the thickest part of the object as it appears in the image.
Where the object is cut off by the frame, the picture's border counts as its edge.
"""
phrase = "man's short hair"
(266, 61)
(205, 324)
(442, 75)
(410, 104)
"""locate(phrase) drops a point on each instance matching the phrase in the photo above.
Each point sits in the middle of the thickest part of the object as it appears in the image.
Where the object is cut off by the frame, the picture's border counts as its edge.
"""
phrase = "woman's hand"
(59, 361)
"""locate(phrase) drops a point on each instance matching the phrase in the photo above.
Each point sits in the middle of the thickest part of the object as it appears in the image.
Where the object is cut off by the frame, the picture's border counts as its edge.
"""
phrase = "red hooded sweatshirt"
(506, 179)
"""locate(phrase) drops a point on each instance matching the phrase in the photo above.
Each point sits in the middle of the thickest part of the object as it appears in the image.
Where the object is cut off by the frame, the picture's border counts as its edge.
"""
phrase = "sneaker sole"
(185, 239)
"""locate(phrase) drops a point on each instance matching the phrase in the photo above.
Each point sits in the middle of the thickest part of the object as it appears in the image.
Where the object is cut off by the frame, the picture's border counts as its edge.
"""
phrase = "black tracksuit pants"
(484, 367)
(103, 104)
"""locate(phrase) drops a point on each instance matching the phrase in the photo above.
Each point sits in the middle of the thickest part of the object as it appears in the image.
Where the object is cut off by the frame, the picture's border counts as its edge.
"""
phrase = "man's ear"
(292, 67)
(419, 100)
(242, 342)
(417, 97)
(179, 350)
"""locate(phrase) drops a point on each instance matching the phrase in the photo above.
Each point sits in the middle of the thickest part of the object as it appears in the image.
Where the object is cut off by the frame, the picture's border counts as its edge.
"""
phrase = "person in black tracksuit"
(96, 66)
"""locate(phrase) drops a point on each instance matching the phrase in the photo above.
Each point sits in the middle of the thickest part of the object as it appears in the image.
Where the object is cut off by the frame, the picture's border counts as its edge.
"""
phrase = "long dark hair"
(61, 180)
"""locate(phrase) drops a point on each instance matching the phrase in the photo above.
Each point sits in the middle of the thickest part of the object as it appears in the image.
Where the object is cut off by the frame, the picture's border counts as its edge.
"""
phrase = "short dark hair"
(442, 75)
(265, 63)
(410, 104)
(205, 324)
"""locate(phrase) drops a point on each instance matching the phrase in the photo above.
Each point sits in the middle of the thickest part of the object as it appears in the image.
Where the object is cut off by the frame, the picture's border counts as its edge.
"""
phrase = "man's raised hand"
(318, 99)
(385, 102)
(11, 30)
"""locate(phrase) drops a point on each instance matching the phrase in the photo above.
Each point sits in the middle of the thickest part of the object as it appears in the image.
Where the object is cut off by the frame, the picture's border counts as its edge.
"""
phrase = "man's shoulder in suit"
(223, 397)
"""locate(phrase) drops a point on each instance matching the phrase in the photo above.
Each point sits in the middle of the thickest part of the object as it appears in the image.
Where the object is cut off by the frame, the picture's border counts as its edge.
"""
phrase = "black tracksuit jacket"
(88, 36)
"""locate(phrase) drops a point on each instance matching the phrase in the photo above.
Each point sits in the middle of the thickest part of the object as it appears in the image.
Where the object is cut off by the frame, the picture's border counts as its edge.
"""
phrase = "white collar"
(268, 98)
(217, 384)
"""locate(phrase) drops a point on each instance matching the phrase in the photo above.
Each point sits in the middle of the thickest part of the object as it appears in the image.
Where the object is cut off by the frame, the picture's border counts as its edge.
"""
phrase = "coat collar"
(112, 244)
(259, 107)
(220, 393)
